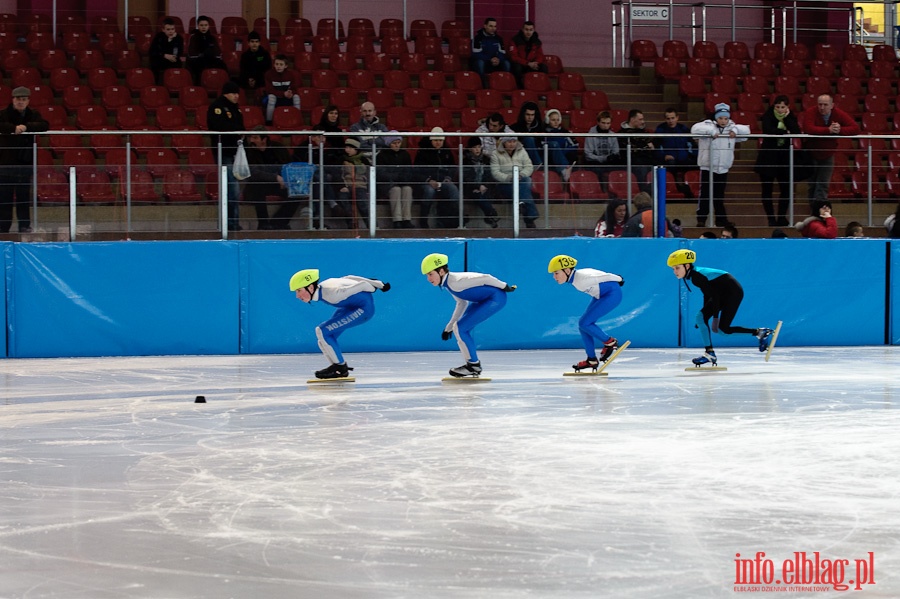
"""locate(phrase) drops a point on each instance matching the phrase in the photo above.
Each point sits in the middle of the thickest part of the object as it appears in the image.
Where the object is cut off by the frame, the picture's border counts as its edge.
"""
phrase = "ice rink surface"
(116, 484)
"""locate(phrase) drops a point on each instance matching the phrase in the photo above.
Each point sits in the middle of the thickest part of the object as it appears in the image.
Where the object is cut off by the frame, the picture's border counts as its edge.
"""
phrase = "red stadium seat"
(390, 28)
(439, 117)
(344, 98)
(330, 27)
(763, 68)
(470, 118)
(561, 100)
(397, 80)
(342, 62)
(700, 67)
(137, 79)
(143, 188)
(433, 81)
(85, 60)
(131, 117)
(269, 28)
(706, 49)
(154, 97)
(324, 45)
(595, 100)
(76, 96)
(767, 50)
(377, 63)
(325, 79)
(818, 85)
(619, 182)
(193, 98)
(52, 186)
(300, 28)
(380, 97)
(449, 63)
(51, 59)
(360, 79)
(502, 81)
(213, 80)
(537, 82)
(571, 82)
(668, 67)
(853, 68)
(177, 79)
(91, 118)
(25, 77)
(416, 99)
(796, 51)
(420, 28)
(555, 188)
(468, 81)
(429, 47)
(584, 185)
(581, 120)
(413, 62)
(287, 118)
(111, 43)
(737, 51)
(489, 99)
(179, 186)
(201, 162)
(723, 84)
(55, 115)
(253, 116)
(361, 27)
(877, 85)
(676, 49)
(41, 96)
(114, 97)
(692, 86)
(394, 46)
(14, 59)
(401, 118)
(93, 186)
(823, 68)
(454, 99)
(849, 85)
(171, 117)
(643, 51)
(37, 41)
(756, 85)
(360, 47)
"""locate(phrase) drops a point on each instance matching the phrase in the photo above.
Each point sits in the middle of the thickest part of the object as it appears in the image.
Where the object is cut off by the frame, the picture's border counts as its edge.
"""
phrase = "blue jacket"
(681, 148)
(486, 47)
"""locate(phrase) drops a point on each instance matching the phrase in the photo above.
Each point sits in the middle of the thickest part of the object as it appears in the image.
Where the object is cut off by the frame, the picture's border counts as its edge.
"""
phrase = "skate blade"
(595, 373)
(346, 379)
(465, 379)
(774, 339)
(706, 369)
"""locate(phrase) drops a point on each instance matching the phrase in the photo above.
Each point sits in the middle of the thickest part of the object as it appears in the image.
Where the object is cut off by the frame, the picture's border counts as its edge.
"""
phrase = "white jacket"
(502, 164)
(717, 153)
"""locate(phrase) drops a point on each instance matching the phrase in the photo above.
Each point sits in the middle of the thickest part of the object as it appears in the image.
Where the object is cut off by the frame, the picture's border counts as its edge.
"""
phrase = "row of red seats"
(671, 68)
(645, 51)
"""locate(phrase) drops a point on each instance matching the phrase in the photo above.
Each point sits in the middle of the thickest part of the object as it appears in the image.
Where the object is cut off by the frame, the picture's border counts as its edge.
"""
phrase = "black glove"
(622, 283)
(509, 288)
(387, 287)
(446, 335)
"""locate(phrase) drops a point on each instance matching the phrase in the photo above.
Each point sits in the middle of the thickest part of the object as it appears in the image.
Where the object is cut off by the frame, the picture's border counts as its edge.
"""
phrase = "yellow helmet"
(304, 278)
(560, 262)
(434, 262)
(681, 257)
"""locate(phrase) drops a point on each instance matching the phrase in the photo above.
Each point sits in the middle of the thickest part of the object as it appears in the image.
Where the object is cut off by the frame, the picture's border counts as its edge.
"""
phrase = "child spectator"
(255, 63)
(854, 229)
(282, 85)
(355, 191)
(478, 184)
(561, 151)
(717, 138)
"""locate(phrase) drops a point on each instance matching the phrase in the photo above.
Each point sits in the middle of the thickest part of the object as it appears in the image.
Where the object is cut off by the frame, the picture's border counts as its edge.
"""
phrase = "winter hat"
(395, 136)
(436, 133)
(474, 141)
(722, 109)
(230, 87)
(503, 140)
(548, 113)
(352, 142)
(21, 92)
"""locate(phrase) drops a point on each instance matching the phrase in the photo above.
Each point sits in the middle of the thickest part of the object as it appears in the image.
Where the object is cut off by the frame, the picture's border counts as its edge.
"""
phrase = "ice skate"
(608, 348)
(707, 358)
(335, 371)
(472, 369)
(591, 363)
(765, 337)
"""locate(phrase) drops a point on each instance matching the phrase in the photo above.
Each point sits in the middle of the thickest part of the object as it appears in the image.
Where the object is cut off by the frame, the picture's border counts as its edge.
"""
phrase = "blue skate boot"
(765, 338)
(707, 358)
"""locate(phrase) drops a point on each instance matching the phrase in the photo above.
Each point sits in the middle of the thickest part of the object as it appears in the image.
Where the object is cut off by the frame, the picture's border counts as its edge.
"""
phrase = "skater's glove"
(386, 287)
(446, 335)
(509, 288)
(622, 283)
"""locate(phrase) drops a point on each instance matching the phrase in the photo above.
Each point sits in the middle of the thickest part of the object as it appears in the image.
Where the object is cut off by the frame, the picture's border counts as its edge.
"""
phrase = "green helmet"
(304, 278)
(681, 257)
(560, 262)
(434, 262)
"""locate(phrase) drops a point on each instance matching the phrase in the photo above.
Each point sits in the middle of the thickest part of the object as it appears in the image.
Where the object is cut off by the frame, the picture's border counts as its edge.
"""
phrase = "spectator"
(330, 122)
(773, 159)
(395, 176)
(824, 119)
(676, 152)
(255, 63)
(561, 151)
(493, 124)
(530, 122)
(488, 53)
(709, 235)
(779, 234)
(642, 158)
(526, 53)
(612, 223)
(332, 160)
(224, 115)
(729, 231)
(281, 88)
(820, 224)
(854, 229)
(641, 223)
(166, 50)
(353, 197)
(435, 166)
(266, 158)
(368, 123)
(512, 154)
(478, 184)
(601, 152)
(717, 138)
(203, 50)
(17, 122)
(890, 221)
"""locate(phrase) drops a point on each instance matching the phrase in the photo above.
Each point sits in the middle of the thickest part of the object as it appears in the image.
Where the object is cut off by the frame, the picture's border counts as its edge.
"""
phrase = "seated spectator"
(708, 235)
(203, 50)
(395, 176)
(478, 184)
(729, 231)
(612, 223)
(435, 165)
(368, 123)
(526, 54)
(641, 223)
(353, 197)
(488, 52)
(677, 153)
(255, 63)
(494, 123)
(820, 224)
(601, 152)
(281, 87)
(530, 121)
(642, 148)
(266, 158)
(166, 50)
(854, 229)
(890, 221)
(332, 160)
(561, 151)
(510, 155)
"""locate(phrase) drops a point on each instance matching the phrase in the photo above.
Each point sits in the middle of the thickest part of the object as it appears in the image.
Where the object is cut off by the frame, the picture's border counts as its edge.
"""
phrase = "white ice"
(116, 484)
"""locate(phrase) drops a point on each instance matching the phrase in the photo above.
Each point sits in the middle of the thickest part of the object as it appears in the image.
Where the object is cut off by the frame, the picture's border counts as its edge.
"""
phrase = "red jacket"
(523, 52)
(813, 124)
(818, 228)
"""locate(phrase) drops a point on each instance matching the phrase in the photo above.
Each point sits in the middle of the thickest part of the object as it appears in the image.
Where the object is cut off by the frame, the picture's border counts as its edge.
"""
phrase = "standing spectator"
(773, 159)
(526, 53)
(820, 224)
(503, 161)
(642, 158)
(824, 119)
(488, 53)
(561, 151)
(717, 138)
(255, 63)
(890, 223)
(368, 123)
(225, 115)
(166, 50)
(530, 121)
(355, 191)
(493, 124)
(17, 159)
(435, 166)
(676, 152)
(203, 50)
(612, 223)
(282, 87)
(332, 161)
(601, 151)
(266, 158)
(478, 184)
(395, 177)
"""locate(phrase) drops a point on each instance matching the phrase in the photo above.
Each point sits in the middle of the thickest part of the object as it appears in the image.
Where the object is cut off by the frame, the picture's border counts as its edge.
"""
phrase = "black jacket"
(222, 115)
(19, 149)
(433, 164)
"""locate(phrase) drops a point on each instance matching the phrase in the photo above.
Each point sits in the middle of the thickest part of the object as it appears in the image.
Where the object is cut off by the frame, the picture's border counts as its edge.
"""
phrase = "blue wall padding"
(8, 254)
(202, 297)
(124, 298)
(895, 293)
